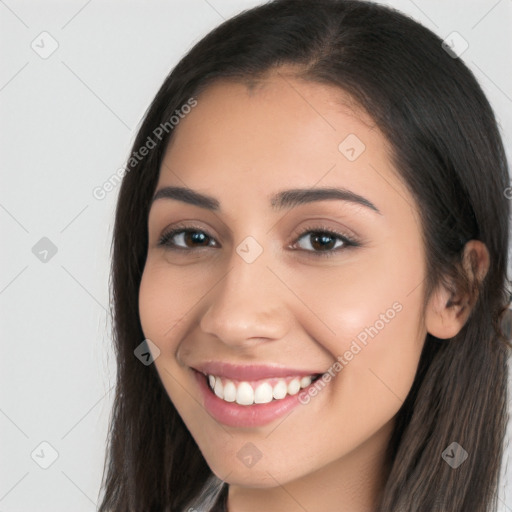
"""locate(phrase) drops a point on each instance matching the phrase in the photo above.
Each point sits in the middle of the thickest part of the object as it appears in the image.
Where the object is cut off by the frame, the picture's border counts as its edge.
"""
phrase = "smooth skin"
(292, 306)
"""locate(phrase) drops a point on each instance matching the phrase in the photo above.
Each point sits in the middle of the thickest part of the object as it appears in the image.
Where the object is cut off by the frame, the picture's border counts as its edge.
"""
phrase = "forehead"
(275, 133)
(280, 95)
(279, 113)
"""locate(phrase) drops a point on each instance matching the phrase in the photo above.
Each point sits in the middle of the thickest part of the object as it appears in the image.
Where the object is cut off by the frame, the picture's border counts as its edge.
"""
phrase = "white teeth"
(219, 388)
(294, 387)
(280, 390)
(229, 391)
(305, 382)
(263, 394)
(244, 393)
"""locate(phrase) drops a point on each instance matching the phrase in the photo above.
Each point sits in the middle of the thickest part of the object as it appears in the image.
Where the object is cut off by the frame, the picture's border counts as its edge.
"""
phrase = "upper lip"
(249, 371)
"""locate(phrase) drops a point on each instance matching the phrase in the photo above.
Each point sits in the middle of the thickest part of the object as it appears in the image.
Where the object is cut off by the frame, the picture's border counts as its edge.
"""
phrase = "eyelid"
(349, 241)
(320, 225)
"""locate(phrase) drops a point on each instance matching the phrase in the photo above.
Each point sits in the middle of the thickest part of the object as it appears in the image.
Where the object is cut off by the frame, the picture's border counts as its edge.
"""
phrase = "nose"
(247, 306)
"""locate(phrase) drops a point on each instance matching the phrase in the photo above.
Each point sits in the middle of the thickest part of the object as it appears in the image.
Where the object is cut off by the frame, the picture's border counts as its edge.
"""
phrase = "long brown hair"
(448, 150)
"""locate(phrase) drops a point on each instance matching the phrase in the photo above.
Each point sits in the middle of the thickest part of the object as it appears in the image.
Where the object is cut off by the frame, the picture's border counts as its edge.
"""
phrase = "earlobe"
(447, 311)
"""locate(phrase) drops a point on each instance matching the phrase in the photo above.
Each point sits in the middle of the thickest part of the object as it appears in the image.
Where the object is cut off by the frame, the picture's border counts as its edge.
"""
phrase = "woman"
(309, 274)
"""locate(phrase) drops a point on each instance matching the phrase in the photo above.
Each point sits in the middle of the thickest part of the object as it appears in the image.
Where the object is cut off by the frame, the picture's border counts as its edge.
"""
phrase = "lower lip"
(235, 415)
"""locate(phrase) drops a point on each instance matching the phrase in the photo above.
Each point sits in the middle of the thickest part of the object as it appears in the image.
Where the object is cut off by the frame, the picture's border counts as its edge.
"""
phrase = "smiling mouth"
(261, 391)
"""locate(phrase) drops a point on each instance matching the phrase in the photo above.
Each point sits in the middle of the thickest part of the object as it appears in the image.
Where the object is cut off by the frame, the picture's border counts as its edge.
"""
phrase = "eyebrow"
(282, 200)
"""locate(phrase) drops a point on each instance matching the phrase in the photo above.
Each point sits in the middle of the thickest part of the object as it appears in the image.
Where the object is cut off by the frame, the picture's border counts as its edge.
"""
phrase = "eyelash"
(309, 230)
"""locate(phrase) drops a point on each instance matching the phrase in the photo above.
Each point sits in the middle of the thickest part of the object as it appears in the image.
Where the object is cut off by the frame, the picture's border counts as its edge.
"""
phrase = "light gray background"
(67, 124)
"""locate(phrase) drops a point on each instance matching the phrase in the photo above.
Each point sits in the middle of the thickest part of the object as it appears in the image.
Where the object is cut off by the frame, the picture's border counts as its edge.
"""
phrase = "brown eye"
(185, 239)
(320, 241)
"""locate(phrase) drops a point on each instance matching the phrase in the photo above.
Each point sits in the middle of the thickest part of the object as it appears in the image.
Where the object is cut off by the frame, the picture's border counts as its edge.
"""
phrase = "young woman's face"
(265, 289)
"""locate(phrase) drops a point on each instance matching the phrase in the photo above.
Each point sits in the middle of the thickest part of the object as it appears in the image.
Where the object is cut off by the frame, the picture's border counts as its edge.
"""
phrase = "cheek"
(369, 321)
(166, 297)
(157, 310)
(380, 299)
(163, 309)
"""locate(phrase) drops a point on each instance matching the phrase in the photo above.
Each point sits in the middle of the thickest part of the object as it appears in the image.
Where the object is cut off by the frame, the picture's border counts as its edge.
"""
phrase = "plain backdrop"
(75, 79)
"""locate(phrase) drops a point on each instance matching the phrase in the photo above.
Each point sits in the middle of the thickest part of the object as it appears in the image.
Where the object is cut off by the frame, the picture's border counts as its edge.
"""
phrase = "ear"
(448, 311)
